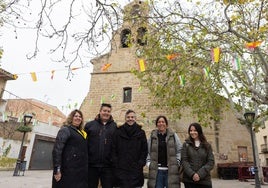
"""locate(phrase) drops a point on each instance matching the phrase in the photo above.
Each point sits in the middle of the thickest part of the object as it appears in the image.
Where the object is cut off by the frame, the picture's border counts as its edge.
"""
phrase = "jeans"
(162, 179)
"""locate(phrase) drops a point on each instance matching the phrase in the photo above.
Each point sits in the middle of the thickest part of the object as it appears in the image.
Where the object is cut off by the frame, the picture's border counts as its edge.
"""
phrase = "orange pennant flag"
(75, 68)
(252, 45)
(106, 66)
(33, 75)
(142, 65)
(172, 56)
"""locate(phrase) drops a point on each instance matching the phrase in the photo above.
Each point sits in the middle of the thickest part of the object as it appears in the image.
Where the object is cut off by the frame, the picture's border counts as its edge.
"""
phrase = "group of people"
(102, 153)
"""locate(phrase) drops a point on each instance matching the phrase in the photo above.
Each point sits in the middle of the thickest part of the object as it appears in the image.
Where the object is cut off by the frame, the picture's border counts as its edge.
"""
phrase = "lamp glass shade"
(249, 116)
(27, 118)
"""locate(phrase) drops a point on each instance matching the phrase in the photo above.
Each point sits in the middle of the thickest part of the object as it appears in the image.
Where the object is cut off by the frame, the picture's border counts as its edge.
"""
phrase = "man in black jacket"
(129, 153)
(99, 134)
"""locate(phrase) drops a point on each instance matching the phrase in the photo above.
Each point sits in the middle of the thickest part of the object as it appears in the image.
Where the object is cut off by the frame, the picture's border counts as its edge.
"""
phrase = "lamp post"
(250, 116)
(26, 120)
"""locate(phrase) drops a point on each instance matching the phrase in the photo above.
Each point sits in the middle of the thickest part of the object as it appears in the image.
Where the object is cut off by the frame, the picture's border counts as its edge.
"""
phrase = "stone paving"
(42, 179)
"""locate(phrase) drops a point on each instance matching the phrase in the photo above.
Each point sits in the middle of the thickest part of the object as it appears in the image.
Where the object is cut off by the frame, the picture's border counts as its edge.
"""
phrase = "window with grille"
(127, 94)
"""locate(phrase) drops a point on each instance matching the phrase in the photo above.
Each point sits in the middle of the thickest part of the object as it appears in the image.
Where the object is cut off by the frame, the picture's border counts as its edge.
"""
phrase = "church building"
(112, 81)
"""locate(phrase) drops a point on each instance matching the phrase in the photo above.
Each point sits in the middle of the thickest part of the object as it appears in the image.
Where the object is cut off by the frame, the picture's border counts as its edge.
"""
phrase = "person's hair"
(105, 105)
(161, 116)
(70, 117)
(129, 111)
(201, 135)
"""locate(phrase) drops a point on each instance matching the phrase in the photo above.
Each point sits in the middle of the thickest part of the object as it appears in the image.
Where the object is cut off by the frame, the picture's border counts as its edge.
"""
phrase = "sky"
(59, 91)
(64, 93)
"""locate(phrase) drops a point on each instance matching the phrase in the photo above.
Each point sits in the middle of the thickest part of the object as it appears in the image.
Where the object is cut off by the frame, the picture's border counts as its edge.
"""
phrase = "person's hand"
(57, 176)
(196, 177)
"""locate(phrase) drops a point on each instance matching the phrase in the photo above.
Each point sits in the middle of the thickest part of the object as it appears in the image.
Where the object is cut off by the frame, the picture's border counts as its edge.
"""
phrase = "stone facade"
(228, 138)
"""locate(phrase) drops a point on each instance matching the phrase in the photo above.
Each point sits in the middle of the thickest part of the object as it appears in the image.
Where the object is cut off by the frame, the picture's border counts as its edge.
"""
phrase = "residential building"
(262, 143)
(38, 144)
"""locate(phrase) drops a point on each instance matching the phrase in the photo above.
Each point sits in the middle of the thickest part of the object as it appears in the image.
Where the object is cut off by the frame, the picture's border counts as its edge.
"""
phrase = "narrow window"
(141, 38)
(127, 94)
(125, 38)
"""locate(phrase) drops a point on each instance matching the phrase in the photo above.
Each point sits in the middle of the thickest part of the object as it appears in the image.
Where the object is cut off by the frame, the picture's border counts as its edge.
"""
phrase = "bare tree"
(8, 129)
(77, 30)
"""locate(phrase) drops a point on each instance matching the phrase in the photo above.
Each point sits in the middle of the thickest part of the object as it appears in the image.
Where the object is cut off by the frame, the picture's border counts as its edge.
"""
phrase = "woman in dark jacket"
(70, 154)
(129, 151)
(197, 159)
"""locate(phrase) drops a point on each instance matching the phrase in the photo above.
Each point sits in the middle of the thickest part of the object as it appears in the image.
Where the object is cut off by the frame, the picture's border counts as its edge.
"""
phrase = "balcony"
(264, 148)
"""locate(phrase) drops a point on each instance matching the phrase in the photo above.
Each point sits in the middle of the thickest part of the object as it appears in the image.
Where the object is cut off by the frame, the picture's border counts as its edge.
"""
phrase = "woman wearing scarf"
(129, 153)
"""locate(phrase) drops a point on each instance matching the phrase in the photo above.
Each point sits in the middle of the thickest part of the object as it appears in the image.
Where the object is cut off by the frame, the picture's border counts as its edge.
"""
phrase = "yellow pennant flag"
(215, 54)
(33, 75)
(142, 65)
(106, 66)
(1, 53)
(15, 76)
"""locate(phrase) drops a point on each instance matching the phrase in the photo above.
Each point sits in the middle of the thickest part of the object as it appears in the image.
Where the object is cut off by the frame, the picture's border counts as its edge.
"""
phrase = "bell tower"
(135, 24)
(112, 80)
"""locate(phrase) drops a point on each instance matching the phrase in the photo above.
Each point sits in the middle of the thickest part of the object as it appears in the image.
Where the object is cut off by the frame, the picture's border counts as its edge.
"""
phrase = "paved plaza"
(42, 179)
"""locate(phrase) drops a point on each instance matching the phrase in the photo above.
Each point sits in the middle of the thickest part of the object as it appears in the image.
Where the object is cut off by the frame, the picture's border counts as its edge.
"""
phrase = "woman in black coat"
(70, 154)
(129, 152)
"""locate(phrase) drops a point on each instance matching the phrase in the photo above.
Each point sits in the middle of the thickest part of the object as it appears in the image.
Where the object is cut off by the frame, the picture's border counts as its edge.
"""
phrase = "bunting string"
(34, 74)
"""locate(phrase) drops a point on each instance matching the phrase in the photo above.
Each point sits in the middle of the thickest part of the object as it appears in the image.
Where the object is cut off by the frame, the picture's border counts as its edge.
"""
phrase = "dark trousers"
(104, 175)
(193, 185)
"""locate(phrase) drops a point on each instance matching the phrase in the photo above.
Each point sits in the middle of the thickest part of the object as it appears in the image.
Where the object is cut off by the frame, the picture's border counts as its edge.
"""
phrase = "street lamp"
(250, 116)
(26, 120)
